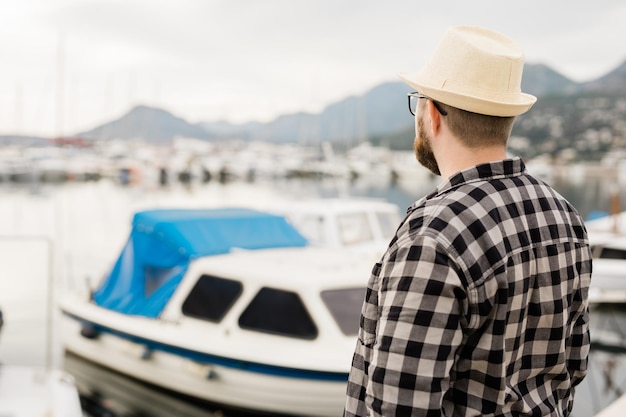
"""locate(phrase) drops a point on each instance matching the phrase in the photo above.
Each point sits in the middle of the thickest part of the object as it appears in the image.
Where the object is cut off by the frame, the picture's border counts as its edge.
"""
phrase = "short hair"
(476, 130)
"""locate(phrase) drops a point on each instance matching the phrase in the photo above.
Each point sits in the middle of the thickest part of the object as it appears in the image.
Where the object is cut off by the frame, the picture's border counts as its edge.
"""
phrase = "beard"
(423, 149)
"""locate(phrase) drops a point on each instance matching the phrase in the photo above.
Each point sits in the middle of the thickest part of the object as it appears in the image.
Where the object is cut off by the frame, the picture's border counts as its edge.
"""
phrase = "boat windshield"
(345, 306)
(354, 228)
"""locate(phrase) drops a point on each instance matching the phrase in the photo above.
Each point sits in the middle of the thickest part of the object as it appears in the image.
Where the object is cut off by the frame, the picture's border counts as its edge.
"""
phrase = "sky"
(70, 65)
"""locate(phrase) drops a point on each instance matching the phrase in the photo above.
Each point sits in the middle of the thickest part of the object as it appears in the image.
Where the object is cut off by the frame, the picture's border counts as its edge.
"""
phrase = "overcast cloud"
(68, 65)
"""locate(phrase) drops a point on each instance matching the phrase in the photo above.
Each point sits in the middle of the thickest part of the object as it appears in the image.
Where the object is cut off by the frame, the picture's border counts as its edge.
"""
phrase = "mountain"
(379, 115)
(380, 110)
(147, 123)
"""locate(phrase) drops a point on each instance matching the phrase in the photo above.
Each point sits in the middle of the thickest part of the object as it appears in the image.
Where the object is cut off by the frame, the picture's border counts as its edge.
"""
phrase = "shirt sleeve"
(579, 345)
(421, 304)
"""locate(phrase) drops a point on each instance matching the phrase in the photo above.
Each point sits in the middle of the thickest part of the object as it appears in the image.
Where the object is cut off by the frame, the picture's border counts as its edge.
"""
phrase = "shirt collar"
(498, 169)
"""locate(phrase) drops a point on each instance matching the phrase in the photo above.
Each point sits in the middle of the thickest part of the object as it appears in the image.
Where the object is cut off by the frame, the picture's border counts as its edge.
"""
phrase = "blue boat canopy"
(163, 242)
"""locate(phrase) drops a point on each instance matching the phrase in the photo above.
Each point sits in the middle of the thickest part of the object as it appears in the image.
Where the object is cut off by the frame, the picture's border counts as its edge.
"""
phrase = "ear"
(434, 116)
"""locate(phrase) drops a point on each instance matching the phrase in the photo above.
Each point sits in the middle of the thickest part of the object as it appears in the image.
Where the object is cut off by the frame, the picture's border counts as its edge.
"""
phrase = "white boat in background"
(607, 236)
(609, 270)
(231, 306)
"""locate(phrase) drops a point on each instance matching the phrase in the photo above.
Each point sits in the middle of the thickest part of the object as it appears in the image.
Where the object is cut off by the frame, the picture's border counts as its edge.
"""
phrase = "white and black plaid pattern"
(479, 306)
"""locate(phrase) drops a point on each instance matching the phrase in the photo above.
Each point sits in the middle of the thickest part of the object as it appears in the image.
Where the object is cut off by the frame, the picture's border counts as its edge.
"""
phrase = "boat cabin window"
(345, 307)
(354, 228)
(278, 312)
(211, 298)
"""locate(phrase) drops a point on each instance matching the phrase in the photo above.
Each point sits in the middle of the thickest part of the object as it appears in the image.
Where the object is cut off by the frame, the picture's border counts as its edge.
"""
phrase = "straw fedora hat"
(477, 70)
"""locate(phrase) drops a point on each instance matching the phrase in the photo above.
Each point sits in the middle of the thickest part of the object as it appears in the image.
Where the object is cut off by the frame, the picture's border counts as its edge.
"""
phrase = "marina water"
(59, 237)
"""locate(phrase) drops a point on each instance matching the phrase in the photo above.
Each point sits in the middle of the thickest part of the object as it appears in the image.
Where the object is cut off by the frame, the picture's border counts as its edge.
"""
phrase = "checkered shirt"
(479, 306)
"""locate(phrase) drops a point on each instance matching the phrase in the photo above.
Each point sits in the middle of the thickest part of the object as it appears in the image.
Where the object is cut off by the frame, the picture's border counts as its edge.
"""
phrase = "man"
(479, 306)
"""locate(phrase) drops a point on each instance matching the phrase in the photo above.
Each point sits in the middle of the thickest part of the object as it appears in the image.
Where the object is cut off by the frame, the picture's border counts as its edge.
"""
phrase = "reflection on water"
(87, 225)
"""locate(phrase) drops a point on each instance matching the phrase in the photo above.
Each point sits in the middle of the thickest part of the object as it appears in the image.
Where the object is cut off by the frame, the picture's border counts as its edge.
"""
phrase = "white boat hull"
(227, 385)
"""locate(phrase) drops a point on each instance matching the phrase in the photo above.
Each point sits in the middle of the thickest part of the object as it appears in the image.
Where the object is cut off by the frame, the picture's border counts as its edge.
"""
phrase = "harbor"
(195, 199)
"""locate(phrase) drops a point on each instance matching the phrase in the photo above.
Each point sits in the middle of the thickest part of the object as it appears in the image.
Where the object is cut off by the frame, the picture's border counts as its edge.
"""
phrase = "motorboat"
(231, 306)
